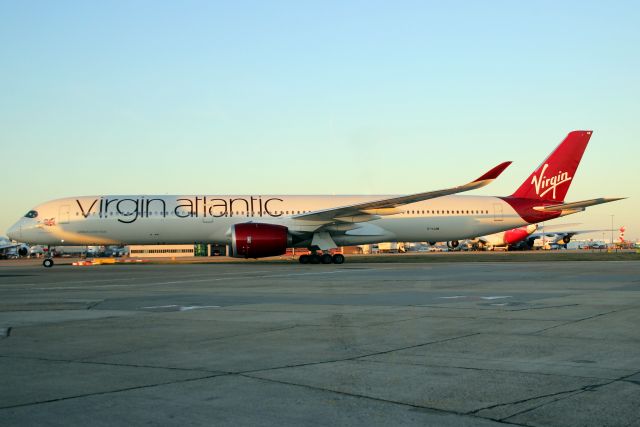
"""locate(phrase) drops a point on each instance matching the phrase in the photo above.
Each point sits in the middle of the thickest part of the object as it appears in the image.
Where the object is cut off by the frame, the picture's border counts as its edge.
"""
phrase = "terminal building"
(203, 249)
(159, 251)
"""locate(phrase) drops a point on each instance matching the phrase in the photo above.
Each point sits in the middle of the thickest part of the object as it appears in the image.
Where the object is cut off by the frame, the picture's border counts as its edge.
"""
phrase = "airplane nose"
(15, 232)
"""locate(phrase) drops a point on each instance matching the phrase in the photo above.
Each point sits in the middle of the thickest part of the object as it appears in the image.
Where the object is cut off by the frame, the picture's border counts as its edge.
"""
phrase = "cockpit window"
(31, 214)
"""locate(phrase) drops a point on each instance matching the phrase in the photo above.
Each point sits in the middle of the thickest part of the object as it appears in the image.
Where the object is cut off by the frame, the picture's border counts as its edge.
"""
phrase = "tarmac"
(446, 344)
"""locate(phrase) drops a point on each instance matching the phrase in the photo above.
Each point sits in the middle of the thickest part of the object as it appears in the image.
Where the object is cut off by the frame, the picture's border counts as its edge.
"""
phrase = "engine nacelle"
(566, 239)
(256, 240)
(23, 251)
(515, 235)
(453, 244)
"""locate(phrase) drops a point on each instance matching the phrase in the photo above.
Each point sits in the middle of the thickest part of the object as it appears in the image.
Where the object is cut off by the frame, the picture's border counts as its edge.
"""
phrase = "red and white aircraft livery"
(262, 226)
(526, 236)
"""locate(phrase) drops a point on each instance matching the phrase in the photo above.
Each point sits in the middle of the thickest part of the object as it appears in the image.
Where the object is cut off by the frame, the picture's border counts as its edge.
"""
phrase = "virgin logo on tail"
(545, 184)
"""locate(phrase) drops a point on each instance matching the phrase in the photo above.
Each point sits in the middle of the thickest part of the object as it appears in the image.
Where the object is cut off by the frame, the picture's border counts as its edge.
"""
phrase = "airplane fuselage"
(100, 220)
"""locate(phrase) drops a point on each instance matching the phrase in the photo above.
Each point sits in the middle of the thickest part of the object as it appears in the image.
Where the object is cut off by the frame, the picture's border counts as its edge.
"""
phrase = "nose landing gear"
(48, 260)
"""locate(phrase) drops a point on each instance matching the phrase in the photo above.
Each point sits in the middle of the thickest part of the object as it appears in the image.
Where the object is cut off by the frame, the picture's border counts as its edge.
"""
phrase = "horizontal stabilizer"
(577, 205)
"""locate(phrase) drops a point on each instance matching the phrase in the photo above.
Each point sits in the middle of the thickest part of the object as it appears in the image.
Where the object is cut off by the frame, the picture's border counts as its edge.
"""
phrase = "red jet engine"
(515, 235)
(256, 240)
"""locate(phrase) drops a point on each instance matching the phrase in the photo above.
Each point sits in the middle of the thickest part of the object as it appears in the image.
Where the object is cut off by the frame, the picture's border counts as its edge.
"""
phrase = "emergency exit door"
(63, 214)
(497, 212)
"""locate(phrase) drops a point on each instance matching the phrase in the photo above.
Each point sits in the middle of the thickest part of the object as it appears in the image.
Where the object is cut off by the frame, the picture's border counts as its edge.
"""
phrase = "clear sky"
(297, 97)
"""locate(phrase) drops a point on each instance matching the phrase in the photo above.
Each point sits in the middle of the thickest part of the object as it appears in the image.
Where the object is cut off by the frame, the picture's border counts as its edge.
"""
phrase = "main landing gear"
(325, 258)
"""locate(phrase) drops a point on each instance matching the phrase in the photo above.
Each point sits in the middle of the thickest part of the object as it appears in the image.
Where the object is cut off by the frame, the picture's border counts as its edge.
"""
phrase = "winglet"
(494, 173)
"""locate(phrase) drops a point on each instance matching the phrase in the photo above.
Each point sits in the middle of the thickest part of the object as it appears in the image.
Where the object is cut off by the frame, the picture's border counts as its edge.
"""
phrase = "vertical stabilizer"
(551, 180)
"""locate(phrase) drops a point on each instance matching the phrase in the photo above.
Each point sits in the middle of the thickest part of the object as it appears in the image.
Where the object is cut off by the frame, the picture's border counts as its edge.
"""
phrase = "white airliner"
(262, 226)
(525, 237)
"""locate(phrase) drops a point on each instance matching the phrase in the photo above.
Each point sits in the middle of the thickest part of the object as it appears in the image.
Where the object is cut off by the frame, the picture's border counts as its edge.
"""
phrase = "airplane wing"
(367, 211)
(564, 226)
(565, 233)
(577, 205)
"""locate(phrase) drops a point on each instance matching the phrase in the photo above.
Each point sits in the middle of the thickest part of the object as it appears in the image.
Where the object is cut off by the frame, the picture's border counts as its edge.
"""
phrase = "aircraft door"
(497, 212)
(63, 214)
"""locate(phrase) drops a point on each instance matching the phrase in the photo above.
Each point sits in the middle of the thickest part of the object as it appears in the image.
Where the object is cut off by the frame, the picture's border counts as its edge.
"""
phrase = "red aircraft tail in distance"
(551, 180)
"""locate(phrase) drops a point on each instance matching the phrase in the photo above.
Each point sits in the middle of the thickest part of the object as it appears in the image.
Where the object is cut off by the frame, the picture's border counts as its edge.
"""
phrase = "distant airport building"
(159, 251)
(202, 249)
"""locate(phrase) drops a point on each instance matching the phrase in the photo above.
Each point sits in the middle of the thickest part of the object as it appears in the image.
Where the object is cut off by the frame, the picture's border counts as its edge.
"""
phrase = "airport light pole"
(612, 230)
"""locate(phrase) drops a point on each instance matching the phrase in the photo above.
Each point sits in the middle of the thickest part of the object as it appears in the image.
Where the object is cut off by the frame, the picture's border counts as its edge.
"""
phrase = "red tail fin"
(551, 180)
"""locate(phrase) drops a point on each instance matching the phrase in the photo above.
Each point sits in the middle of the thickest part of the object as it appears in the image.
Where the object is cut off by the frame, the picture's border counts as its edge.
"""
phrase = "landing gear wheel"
(326, 258)
(304, 259)
(48, 262)
(337, 258)
(315, 259)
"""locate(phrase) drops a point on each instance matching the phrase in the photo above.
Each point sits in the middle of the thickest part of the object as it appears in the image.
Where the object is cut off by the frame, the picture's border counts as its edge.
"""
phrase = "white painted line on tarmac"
(217, 279)
(173, 282)
(476, 297)
(198, 307)
(84, 282)
(182, 308)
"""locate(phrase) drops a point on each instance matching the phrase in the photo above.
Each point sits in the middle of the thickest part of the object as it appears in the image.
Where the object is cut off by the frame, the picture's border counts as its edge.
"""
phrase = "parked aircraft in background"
(504, 238)
(262, 226)
(549, 239)
(530, 236)
(12, 249)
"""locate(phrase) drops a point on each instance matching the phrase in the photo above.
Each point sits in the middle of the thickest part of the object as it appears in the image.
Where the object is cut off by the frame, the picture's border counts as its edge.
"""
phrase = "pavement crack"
(469, 368)
(577, 321)
(102, 393)
(123, 365)
(244, 334)
(360, 356)
(93, 304)
(376, 399)
(561, 395)
(517, 402)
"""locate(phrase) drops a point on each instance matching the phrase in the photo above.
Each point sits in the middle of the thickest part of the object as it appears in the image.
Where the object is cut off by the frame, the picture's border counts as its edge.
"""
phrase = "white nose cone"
(15, 232)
